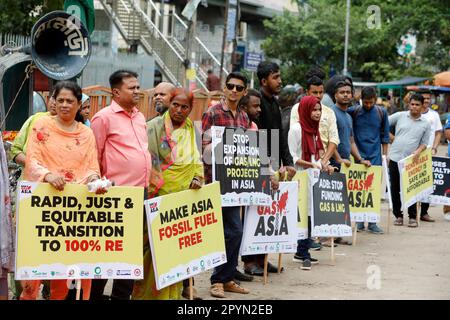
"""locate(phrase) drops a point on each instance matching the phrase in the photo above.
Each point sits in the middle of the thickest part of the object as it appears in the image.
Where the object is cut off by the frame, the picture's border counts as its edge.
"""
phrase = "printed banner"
(304, 192)
(272, 229)
(331, 216)
(237, 165)
(441, 182)
(416, 180)
(77, 234)
(186, 234)
(364, 192)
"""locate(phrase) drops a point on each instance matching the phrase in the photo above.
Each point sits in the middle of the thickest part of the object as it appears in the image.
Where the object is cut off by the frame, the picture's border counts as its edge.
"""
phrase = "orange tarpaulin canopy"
(442, 79)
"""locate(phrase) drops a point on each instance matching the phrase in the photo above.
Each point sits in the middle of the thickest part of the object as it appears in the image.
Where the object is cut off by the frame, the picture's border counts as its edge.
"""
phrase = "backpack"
(380, 113)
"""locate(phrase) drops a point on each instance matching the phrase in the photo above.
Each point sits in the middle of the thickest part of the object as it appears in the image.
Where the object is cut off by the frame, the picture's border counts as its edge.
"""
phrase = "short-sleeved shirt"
(435, 122)
(409, 134)
(345, 128)
(122, 145)
(371, 129)
(221, 116)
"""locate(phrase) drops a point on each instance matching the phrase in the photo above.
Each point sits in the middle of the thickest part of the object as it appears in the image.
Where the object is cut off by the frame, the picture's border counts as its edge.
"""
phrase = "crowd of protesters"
(323, 127)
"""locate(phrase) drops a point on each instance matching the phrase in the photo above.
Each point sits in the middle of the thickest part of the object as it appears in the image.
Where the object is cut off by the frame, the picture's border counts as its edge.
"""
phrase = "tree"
(316, 36)
(19, 16)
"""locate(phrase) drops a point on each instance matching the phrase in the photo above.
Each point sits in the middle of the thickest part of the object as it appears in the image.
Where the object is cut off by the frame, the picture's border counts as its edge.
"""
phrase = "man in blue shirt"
(371, 130)
(347, 145)
(343, 96)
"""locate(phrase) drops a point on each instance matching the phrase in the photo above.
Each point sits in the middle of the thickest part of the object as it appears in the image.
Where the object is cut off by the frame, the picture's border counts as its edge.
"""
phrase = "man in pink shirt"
(121, 135)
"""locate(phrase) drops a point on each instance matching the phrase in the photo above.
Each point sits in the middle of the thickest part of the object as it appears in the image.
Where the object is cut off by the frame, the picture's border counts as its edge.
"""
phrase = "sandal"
(217, 291)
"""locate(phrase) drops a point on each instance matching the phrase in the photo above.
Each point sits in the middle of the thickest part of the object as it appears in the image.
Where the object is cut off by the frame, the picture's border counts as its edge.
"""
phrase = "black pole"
(224, 39)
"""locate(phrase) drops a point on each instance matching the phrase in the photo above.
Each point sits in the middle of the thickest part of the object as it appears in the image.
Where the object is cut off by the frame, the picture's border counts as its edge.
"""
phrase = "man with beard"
(162, 97)
(371, 129)
(270, 119)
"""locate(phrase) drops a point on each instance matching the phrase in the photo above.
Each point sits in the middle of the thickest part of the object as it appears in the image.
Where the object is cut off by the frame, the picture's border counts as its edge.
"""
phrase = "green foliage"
(19, 16)
(316, 36)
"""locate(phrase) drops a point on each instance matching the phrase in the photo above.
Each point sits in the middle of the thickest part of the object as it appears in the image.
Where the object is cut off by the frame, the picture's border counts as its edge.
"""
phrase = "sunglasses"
(231, 86)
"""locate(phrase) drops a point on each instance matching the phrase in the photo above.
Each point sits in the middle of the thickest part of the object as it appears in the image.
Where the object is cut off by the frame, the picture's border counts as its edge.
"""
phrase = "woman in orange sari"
(61, 150)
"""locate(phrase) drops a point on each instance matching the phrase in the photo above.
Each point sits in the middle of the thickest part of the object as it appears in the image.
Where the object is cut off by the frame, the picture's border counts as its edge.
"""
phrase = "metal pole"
(347, 26)
(224, 39)
(190, 47)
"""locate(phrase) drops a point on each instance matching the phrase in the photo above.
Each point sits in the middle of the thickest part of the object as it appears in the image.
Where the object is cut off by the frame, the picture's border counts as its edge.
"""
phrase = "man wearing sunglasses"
(226, 114)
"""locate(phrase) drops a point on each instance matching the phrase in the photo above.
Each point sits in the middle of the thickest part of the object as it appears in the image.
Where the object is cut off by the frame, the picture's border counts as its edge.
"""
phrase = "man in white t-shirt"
(435, 137)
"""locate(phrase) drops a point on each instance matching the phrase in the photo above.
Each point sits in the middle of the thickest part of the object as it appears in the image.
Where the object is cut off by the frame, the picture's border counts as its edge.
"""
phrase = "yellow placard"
(191, 74)
(416, 178)
(303, 203)
(186, 233)
(78, 234)
(364, 191)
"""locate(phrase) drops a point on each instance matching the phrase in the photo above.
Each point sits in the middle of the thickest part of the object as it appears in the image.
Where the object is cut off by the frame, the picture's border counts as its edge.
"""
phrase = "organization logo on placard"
(123, 272)
(154, 207)
(98, 270)
(25, 189)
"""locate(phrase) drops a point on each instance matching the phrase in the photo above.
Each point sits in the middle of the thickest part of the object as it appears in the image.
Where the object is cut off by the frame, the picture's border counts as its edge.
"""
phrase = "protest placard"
(185, 233)
(364, 192)
(237, 164)
(77, 234)
(304, 192)
(441, 182)
(272, 229)
(331, 215)
(416, 178)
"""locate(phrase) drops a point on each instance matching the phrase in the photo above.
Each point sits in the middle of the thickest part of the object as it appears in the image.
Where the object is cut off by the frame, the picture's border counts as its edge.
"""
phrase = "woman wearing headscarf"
(176, 166)
(304, 141)
(61, 150)
(305, 146)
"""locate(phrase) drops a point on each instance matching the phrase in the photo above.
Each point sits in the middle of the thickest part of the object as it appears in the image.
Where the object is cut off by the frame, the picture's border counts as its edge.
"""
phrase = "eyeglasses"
(231, 86)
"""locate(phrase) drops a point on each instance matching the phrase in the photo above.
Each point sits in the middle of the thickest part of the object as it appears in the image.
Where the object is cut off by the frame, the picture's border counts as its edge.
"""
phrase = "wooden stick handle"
(418, 213)
(279, 263)
(191, 289)
(388, 219)
(78, 286)
(266, 261)
(332, 250)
